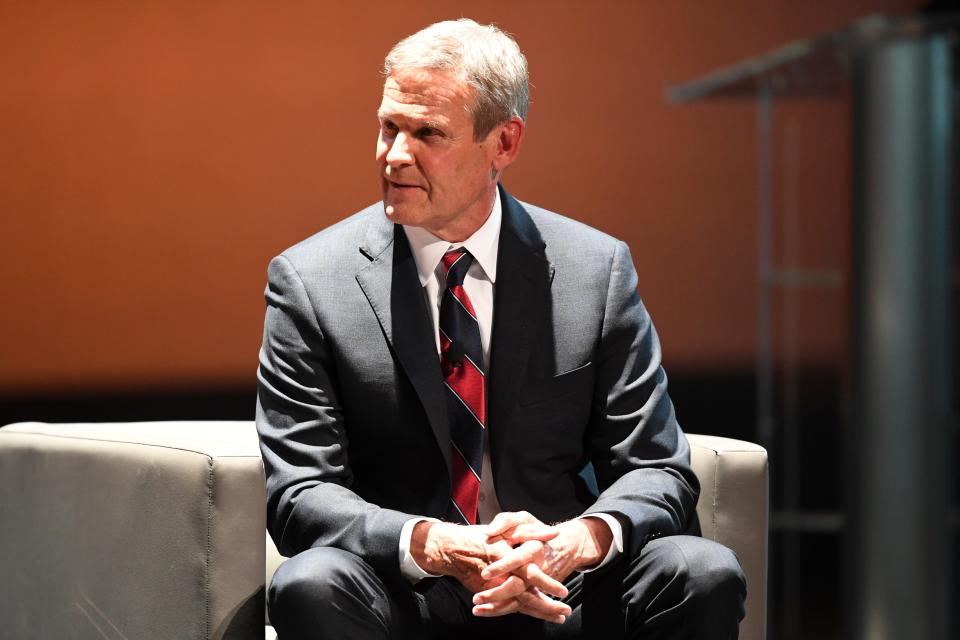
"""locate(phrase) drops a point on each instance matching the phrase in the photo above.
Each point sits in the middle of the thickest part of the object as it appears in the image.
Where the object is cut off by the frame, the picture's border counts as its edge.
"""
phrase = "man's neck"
(482, 243)
(467, 223)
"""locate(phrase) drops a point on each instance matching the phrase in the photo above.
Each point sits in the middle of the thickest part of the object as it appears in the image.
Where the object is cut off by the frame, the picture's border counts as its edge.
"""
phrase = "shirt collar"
(483, 245)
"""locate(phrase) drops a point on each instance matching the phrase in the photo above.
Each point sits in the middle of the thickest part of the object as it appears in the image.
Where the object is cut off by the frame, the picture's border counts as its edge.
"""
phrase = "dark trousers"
(679, 587)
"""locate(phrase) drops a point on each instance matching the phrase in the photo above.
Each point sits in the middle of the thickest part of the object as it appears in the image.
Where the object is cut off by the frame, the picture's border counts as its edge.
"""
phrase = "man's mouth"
(402, 186)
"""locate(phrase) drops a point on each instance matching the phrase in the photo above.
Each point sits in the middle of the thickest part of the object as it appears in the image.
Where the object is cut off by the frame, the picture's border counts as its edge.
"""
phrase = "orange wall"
(154, 156)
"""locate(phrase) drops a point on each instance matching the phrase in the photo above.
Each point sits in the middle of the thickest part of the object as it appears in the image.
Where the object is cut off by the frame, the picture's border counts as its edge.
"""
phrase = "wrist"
(427, 546)
(594, 540)
(420, 539)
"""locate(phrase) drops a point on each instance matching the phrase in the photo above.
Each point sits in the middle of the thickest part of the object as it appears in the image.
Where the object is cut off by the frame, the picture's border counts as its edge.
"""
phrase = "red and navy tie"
(461, 359)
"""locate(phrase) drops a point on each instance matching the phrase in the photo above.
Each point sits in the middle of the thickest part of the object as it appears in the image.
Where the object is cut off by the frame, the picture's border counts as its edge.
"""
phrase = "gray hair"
(485, 57)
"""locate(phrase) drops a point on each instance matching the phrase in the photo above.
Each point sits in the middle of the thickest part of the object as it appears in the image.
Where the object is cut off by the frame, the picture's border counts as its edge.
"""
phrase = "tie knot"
(455, 264)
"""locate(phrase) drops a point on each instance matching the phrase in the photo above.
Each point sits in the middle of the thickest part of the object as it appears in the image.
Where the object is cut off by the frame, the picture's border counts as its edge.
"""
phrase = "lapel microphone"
(454, 354)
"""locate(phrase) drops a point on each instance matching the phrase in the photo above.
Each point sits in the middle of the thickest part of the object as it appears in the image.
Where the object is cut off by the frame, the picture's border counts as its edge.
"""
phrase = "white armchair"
(156, 529)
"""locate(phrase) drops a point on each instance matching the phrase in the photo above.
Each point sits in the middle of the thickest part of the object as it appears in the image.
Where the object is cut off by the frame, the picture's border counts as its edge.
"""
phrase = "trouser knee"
(318, 587)
(689, 583)
(715, 579)
(312, 577)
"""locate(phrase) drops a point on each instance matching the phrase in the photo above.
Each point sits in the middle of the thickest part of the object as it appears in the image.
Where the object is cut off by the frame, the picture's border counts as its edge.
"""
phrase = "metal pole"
(766, 425)
(790, 422)
(898, 544)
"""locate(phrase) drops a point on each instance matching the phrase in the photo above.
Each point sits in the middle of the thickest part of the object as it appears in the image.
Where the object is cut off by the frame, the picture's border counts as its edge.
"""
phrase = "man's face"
(434, 174)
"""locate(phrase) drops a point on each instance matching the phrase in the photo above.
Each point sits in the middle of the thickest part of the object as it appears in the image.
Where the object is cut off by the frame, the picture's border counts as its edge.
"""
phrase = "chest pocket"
(571, 384)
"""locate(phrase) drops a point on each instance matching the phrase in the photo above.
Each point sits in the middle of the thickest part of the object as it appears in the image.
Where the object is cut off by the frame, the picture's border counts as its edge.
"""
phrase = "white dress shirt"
(479, 283)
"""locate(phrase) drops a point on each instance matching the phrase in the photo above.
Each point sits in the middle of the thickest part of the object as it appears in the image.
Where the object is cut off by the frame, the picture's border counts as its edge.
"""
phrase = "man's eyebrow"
(420, 124)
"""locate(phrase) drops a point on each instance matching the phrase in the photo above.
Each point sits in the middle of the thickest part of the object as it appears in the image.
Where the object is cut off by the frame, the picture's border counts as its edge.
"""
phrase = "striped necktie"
(461, 360)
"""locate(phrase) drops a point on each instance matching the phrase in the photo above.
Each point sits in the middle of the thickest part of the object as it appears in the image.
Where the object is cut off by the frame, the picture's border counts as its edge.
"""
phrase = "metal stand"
(899, 548)
(898, 453)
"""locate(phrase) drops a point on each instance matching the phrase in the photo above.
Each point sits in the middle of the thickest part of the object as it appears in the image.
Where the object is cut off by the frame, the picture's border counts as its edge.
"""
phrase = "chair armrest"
(141, 530)
(733, 510)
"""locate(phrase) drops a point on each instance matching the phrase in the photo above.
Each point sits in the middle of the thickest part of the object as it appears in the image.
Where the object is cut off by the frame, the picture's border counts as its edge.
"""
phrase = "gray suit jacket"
(351, 411)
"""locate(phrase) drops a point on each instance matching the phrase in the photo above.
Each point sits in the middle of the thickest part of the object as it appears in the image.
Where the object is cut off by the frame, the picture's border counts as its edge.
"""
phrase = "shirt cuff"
(408, 566)
(616, 547)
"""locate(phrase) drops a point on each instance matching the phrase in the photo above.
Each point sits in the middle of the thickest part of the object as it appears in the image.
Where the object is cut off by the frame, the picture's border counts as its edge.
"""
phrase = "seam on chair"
(716, 494)
(207, 563)
(136, 442)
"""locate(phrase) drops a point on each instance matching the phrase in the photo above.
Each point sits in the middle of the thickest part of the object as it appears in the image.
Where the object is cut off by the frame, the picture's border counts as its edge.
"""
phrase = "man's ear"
(509, 136)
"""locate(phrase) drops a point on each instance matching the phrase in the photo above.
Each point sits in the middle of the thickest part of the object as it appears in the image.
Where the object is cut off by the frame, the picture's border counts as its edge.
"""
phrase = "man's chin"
(400, 213)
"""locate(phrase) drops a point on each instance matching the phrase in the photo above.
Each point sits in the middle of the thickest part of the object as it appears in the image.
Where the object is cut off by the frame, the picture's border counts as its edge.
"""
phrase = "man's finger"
(537, 604)
(506, 520)
(534, 576)
(541, 615)
(527, 531)
(532, 603)
(509, 589)
(522, 555)
(496, 609)
(518, 527)
(497, 550)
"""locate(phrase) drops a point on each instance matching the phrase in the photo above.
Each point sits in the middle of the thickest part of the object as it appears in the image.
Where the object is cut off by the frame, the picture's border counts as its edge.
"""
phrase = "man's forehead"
(418, 116)
(422, 91)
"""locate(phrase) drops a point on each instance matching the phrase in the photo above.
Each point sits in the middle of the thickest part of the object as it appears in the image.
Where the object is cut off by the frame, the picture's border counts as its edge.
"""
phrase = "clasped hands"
(515, 564)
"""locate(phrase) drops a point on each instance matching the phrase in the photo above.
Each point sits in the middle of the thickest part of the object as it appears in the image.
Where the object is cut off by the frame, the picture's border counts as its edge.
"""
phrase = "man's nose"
(399, 153)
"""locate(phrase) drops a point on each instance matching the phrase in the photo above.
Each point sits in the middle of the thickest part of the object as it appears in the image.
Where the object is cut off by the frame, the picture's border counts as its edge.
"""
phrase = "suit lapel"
(392, 287)
(521, 308)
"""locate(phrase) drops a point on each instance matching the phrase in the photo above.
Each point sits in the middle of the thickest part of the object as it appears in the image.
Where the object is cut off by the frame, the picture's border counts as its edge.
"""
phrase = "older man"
(436, 372)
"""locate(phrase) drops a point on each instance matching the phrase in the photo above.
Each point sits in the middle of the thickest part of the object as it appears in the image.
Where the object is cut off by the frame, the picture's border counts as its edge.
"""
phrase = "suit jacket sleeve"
(304, 440)
(639, 453)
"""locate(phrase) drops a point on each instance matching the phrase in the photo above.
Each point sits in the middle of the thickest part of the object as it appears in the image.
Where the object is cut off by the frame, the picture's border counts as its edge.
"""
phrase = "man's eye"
(388, 127)
(427, 132)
